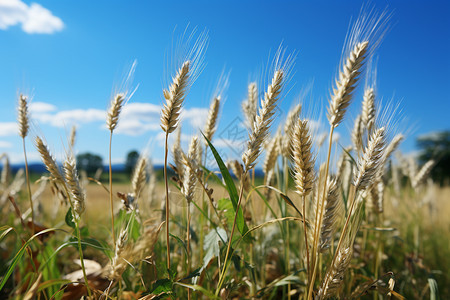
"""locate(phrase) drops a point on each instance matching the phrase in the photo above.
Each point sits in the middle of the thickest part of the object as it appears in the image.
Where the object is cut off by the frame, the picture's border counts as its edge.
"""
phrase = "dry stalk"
(271, 155)
(211, 121)
(422, 175)
(334, 277)
(357, 138)
(169, 122)
(289, 125)
(263, 121)
(372, 160)
(346, 83)
(368, 109)
(250, 106)
(139, 177)
(174, 99)
(73, 184)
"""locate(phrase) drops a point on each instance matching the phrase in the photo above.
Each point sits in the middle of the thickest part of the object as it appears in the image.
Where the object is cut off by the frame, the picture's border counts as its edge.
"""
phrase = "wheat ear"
(303, 158)
(73, 184)
(335, 276)
(263, 121)
(174, 99)
(23, 119)
(372, 160)
(250, 106)
(139, 176)
(48, 160)
(289, 126)
(420, 177)
(368, 108)
(271, 155)
(190, 178)
(357, 134)
(114, 110)
(73, 135)
(211, 121)
(346, 83)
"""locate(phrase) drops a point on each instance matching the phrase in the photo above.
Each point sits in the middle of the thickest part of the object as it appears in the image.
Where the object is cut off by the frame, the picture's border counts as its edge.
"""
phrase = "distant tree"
(89, 162)
(436, 146)
(131, 160)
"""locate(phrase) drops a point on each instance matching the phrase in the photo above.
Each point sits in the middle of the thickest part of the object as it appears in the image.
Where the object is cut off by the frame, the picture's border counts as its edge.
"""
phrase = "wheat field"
(362, 221)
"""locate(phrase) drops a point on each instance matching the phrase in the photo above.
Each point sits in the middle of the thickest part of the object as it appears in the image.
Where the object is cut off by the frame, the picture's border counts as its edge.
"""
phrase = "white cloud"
(41, 107)
(138, 118)
(34, 18)
(195, 116)
(4, 144)
(71, 117)
(8, 129)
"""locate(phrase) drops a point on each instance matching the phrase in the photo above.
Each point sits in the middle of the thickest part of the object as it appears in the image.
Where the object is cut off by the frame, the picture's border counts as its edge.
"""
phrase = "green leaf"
(69, 219)
(231, 188)
(6, 229)
(162, 286)
(180, 241)
(193, 274)
(198, 288)
(211, 244)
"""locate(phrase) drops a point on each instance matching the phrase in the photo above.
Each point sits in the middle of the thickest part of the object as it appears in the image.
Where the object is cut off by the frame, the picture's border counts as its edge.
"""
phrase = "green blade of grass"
(231, 188)
(19, 255)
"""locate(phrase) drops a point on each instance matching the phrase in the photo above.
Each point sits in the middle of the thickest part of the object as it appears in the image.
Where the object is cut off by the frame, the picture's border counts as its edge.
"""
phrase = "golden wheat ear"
(23, 118)
(174, 99)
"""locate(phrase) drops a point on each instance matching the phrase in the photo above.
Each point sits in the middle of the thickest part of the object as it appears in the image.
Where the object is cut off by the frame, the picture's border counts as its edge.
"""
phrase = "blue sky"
(70, 55)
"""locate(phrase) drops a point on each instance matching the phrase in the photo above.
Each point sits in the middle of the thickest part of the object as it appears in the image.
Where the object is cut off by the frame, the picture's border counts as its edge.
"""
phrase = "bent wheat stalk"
(169, 122)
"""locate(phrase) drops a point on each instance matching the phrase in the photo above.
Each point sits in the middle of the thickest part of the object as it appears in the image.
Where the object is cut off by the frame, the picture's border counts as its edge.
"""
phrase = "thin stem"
(78, 234)
(189, 244)
(111, 202)
(286, 186)
(318, 221)
(224, 269)
(28, 186)
(167, 201)
(308, 273)
(80, 250)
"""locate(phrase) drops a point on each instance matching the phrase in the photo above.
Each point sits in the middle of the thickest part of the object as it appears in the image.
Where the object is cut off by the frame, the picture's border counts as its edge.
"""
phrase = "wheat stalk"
(335, 276)
(48, 160)
(372, 159)
(357, 134)
(368, 109)
(250, 106)
(211, 121)
(174, 99)
(73, 184)
(423, 173)
(23, 118)
(272, 155)
(346, 83)
(73, 134)
(289, 126)
(190, 178)
(112, 118)
(303, 158)
(139, 176)
(6, 171)
(263, 121)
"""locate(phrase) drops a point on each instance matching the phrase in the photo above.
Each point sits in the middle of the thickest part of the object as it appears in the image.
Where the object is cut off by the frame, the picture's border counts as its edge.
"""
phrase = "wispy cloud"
(8, 129)
(34, 18)
(70, 117)
(41, 107)
(4, 144)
